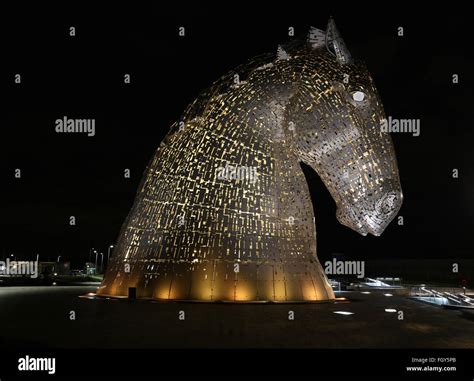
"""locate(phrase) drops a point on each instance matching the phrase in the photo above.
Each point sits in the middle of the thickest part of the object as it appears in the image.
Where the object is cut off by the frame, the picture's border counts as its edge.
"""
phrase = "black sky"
(82, 77)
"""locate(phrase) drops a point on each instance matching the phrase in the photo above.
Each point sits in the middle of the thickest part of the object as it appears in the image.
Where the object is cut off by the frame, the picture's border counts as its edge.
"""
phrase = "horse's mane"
(225, 82)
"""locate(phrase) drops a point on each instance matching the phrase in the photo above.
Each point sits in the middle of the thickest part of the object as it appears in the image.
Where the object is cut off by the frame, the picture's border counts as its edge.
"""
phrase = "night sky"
(82, 77)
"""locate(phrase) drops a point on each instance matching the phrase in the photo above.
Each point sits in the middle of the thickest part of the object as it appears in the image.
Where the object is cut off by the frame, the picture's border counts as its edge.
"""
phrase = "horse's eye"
(358, 96)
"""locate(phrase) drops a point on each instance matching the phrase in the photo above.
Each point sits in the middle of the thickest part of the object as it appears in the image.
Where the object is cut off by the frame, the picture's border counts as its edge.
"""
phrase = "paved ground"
(39, 317)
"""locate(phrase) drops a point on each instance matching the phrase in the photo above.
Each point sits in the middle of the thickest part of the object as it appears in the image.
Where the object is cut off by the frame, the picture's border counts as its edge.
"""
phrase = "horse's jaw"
(371, 217)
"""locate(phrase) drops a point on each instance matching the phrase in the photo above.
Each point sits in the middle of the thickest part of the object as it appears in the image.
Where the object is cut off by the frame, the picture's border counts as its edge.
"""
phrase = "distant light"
(365, 292)
(55, 274)
(343, 312)
(390, 310)
(388, 294)
(54, 283)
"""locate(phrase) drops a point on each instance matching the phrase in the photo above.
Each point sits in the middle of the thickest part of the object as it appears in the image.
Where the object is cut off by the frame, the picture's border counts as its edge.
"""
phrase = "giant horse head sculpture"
(197, 233)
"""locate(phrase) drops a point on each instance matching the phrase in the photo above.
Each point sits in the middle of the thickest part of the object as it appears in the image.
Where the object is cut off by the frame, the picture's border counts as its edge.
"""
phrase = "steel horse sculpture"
(198, 232)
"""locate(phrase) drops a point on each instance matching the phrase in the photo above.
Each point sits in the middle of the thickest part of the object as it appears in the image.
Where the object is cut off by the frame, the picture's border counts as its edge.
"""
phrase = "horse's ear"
(316, 38)
(282, 55)
(335, 44)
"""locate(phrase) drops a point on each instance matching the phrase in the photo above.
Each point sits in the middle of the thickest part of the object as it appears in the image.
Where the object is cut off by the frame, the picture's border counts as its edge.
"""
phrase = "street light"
(96, 253)
(90, 253)
(58, 258)
(108, 255)
(101, 262)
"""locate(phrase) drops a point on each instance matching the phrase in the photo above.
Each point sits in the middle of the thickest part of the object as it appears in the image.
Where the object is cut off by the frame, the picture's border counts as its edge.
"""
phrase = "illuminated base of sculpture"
(216, 281)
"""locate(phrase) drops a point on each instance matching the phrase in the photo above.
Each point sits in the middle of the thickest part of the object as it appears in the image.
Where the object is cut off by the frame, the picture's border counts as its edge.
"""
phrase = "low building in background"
(90, 269)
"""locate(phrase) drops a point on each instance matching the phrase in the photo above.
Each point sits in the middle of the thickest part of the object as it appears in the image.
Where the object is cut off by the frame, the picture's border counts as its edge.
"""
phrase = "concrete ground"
(40, 317)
